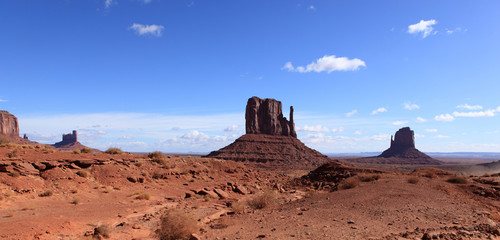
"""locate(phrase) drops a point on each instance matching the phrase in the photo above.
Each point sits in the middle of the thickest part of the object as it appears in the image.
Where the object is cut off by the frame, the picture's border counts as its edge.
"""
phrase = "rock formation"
(69, 142)
(270, 139)
(264, 116)
(401, 151)
(8, 124)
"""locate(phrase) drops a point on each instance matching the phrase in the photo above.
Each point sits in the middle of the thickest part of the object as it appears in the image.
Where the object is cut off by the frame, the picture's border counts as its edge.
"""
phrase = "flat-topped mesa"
(70, 139)
(265, 116)
(8, 124)
(404, 138)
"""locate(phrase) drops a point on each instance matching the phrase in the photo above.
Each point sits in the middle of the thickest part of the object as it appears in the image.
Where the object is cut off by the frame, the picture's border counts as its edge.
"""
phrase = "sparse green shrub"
(457, 180)
(413, 180)
(114, 150)
(176, 225)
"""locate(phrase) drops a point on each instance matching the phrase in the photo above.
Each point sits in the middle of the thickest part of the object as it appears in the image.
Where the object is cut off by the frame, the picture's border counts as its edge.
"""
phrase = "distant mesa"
(401, 151)
(69, 142)
(270, 139)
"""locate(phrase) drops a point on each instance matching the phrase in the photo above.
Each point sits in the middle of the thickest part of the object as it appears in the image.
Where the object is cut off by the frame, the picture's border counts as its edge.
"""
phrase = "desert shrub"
(4, 140)
(369, 178)
(13, 154)
(349, 183)
(238, 206)
(76, 151)
(457, 180)
(176, 225)
(82, 173)
(413, 180)
(104, 230)
(86, 150)
(222, 223)
(144, 196)
(114, 150)
(76, 201)
(47, 193)
(155, 155)
(263, 200)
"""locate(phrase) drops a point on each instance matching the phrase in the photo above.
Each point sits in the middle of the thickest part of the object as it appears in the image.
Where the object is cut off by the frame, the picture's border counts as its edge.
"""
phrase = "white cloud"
(424, 27)
(444, 118)
(379, 110)
(337, 130)
(311, 7)
(411, 106)
(421, 119)
(449, 32)
(357, 132)
(328, 64)
(399, 123)
(442, 136)
(487, 113)
(470, 107)
(3, 100)
(231, 128)
(419, 135)
(152, 29)
(317, 128)
(431, 130)
(351, 113)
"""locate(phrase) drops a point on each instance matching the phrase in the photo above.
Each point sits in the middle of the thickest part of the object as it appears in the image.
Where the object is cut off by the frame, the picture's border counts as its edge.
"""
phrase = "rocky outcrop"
(403, 145)
(265, 116)
(271, 140)
(69, 142)
(8, 124)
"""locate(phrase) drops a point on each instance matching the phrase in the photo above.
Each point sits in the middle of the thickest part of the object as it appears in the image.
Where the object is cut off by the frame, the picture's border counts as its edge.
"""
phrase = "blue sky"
(175, 75)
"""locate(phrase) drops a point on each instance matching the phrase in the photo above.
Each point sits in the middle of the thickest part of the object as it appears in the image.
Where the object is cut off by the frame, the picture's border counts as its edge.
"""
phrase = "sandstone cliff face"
(69, 142)
(404, 138)
(8, 124)
(265, 116)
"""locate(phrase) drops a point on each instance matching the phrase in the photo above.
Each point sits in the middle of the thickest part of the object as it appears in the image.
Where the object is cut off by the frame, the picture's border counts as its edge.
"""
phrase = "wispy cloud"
(421, 119)
(3, 100)
(231, 128)
(153, 29)
(108, 3)
(442, 136)
(487, 113)
(316, 128)
(327, 64)
(311, 7)
(351, 113)
(410, 106)
(423, 27)
(379, 110)
(456, 30)
(444, 118)
(431, 130)
(470, 107)
(399, 123)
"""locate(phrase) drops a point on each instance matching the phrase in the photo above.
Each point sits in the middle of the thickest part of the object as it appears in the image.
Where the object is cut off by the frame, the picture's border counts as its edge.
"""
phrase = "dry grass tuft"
(104, 230)
(13, 154)
(176, 225)
(238, 206)
(76, 151)
(349, 183)
(144, 196)
(47, 193)
(457, 180)
(413, 180)
(114, 150)
(263, 200)
(82, 173)
(4, 141)
(86, 150)
(369, 178)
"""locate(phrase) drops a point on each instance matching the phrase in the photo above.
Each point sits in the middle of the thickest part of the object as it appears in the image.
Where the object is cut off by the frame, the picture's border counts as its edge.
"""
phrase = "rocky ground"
(49, 194)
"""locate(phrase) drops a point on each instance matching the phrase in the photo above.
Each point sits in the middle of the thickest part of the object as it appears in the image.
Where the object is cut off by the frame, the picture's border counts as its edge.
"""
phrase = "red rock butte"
(270, 139)
(8, 124)
(69, 142)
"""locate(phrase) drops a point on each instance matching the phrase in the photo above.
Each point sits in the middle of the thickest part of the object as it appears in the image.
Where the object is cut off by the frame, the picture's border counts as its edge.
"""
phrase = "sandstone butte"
(69, 142)
(270, 139)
